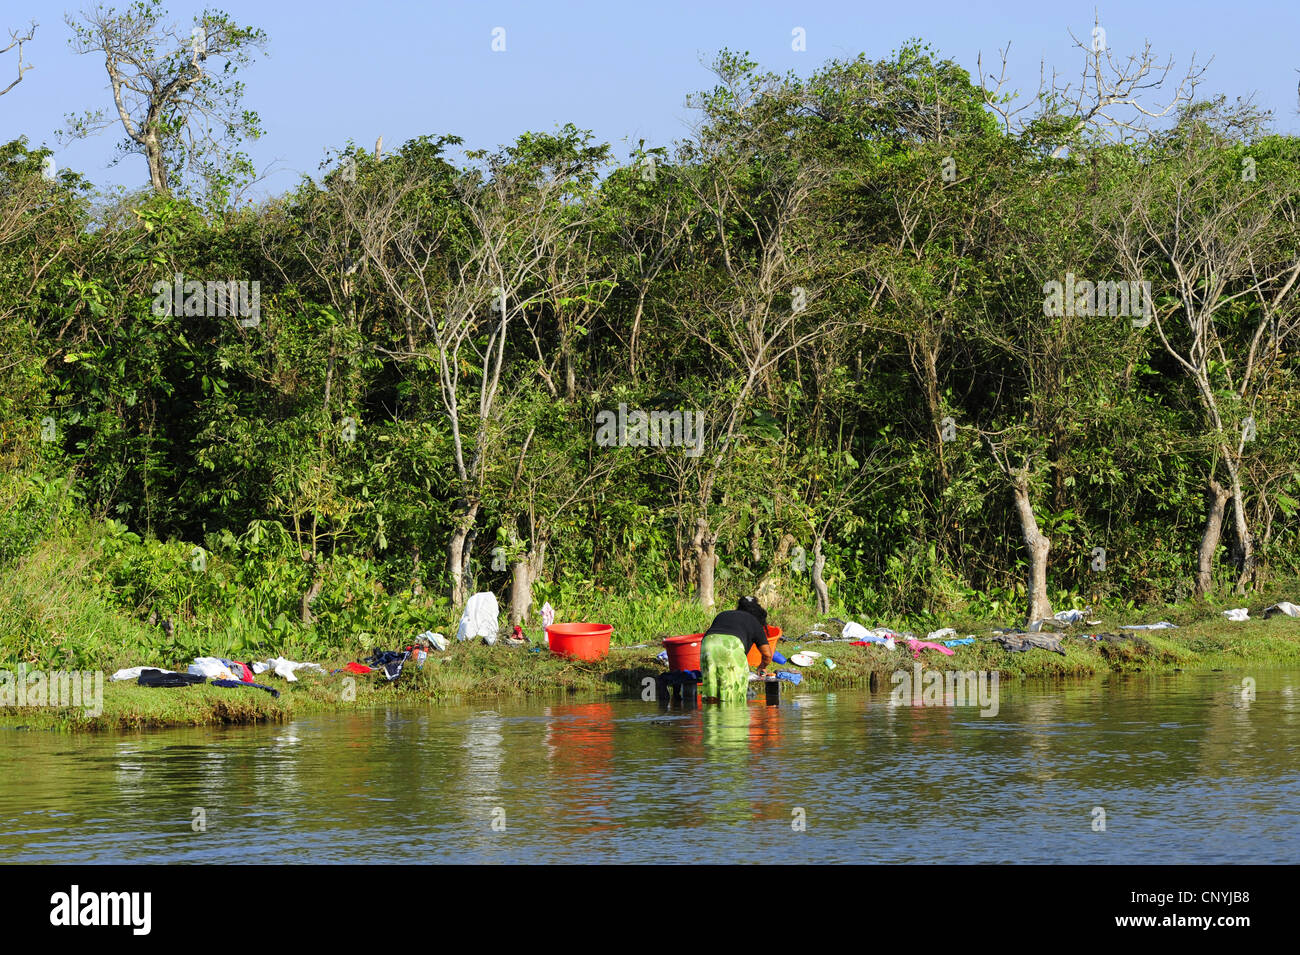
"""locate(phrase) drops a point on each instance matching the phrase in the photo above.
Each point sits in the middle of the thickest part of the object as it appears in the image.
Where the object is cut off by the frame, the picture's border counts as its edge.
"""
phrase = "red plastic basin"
(684, 651)
(580, 641)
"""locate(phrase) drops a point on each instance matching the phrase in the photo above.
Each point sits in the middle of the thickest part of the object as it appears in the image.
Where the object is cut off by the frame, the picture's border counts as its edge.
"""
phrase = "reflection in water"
(1041, 716)
(579, 742)
(1185, 768)
(725, 737)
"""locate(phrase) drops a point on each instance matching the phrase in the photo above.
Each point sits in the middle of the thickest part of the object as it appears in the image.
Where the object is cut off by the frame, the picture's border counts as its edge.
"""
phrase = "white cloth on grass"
(480, 618)
(282, 667)
(854, 631)
(1162, 625)
(214, 668)
(1238, 614)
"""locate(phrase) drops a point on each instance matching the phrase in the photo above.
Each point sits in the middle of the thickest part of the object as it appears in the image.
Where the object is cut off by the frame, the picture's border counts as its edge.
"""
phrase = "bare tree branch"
(17, 39)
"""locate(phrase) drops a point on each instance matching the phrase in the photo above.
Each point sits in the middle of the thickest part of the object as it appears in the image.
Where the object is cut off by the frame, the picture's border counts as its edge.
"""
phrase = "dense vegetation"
(848, 276)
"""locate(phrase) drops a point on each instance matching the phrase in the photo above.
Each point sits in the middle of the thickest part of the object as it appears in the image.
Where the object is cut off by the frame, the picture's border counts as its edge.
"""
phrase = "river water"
(1181, 767)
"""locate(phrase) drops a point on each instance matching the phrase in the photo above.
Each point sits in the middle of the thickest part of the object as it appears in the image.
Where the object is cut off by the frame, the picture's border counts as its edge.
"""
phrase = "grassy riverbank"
(1203, 640)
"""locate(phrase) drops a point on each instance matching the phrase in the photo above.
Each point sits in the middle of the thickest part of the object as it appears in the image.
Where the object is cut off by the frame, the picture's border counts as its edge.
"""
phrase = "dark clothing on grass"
(159, 678)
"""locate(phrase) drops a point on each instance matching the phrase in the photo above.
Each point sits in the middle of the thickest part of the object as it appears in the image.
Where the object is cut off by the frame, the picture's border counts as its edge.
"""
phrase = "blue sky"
(335, 71)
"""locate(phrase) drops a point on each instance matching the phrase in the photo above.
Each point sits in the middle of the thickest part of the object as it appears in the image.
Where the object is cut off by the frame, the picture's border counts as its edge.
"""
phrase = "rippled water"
(1184, 769)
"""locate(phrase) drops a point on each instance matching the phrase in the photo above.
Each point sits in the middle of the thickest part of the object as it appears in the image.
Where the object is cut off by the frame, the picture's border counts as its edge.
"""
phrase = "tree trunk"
(819, 581)
(458, 555)
(417, 587)
(930, 364)
(1038, 545)
(1245, 542)
(523, 574)
(309, 598)
(1216, 497)
(636, 327)
(521, 591)
(157, 168)
(768, 589)
(704, 547)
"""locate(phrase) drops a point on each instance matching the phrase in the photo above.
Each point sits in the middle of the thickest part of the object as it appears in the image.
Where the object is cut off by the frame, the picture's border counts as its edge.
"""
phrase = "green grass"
(478, 671)
(51, 617)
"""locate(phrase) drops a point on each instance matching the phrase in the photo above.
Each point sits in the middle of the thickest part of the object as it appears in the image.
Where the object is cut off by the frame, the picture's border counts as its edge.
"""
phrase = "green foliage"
(862, 331)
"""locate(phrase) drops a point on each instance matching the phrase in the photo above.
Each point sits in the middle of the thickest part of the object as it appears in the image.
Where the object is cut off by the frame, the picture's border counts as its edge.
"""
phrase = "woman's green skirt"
(724, 668)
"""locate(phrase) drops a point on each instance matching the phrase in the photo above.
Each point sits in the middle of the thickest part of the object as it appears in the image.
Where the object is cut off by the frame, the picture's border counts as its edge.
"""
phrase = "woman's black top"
(740, 623)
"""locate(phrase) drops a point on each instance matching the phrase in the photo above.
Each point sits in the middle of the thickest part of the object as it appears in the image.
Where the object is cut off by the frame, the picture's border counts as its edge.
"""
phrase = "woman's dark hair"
(751, 606)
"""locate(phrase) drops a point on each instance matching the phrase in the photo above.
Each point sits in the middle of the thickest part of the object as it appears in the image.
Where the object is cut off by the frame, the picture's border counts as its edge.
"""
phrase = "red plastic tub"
(580, 641)
(684, 651)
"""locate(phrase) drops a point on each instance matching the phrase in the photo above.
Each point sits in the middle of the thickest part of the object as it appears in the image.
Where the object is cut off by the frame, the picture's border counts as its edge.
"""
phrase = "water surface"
(1184, 769)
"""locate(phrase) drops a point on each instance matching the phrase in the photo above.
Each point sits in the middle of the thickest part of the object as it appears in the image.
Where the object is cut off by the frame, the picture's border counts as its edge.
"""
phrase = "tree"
(17, 39)
(758, 294)
(471, 274)
(1217, 237)
(175, 94)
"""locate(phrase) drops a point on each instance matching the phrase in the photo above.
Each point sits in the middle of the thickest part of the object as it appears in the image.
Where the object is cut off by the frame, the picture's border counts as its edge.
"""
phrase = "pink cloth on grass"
(916, 646)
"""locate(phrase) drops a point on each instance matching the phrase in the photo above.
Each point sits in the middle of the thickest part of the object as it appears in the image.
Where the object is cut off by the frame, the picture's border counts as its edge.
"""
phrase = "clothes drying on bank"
(166, 678)
(285, 668)
(133, 673)
(390, 662)
(480, 618)
(1022, 642)
(916, 646)
(219, 668)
